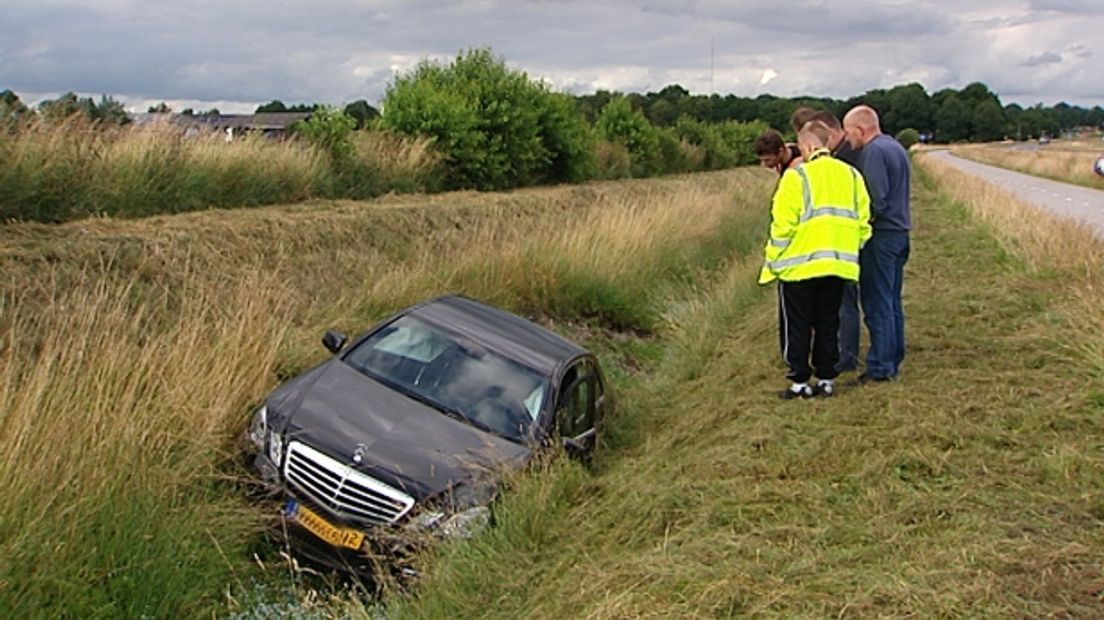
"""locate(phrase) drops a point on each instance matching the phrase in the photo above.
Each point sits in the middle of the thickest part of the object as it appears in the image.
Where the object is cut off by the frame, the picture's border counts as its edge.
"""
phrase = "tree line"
(491, 128)
(974, 113)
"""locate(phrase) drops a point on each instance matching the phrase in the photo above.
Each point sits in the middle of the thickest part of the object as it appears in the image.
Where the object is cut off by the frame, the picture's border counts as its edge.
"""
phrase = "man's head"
(812, 136)
(835, 130)
(801, 116)
(771, 150)
(861, 125)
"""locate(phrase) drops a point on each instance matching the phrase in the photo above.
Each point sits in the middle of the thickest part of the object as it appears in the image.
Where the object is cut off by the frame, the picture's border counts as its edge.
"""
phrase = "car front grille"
(342, 490)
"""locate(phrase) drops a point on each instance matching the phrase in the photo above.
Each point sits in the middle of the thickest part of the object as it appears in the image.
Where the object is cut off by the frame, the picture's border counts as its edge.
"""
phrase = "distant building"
(272, 124)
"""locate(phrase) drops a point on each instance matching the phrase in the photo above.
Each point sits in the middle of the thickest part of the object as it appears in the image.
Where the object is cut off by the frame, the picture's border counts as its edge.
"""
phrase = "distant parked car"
(1098, 166)
(406, 431)
(1044, 139)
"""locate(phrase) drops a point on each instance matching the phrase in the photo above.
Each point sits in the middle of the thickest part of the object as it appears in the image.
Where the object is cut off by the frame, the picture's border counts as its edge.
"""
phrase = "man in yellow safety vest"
(820, 217)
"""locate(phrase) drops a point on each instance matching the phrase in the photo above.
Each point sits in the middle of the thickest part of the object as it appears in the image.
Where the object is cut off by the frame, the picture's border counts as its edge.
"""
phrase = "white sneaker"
(797, 390)
(825, 388)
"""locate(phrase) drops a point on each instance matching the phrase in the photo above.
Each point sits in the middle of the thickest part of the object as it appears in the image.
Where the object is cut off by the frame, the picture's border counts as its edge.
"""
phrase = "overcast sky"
(234, 54)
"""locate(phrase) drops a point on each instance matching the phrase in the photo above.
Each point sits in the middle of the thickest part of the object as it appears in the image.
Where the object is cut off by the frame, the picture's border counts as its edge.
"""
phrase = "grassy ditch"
(969, 488)
(131, 352)
(1069, 164)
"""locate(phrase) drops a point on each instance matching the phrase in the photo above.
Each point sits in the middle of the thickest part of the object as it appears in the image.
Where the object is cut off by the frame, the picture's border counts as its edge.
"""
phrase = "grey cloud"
(1072, 7)
(339, 50)
(1046, 58)
(1079, 51)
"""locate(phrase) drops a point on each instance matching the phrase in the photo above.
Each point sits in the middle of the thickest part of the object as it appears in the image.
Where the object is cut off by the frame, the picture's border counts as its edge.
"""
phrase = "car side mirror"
(334, 340)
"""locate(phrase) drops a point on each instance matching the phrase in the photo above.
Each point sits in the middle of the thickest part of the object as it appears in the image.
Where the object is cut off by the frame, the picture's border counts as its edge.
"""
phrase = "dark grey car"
(406, 430)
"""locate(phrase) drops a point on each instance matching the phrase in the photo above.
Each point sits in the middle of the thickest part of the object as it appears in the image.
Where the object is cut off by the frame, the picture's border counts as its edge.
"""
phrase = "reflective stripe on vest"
(807, 258)
(780, 243)
(807, 195)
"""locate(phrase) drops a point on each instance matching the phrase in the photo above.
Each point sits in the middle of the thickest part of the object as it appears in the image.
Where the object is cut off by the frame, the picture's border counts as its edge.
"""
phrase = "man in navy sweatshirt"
(885, 167)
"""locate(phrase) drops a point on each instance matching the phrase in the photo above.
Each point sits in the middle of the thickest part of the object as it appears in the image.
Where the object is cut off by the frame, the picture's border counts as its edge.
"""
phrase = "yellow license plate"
(336, 536)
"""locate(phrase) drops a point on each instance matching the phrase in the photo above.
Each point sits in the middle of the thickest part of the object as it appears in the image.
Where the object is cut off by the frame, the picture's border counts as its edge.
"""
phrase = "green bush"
(329, 130)
(718, 154)
(671, 152)
(568, 139)
(726, 144)
(908, 136)
(618, 122)
(498, 128)
(740, 138)
(612, 160)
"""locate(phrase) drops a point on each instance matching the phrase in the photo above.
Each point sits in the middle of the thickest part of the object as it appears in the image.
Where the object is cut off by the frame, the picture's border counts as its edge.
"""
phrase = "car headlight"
(467, 523)
(275, 448)
(471, 494)
(259, 428)
(464, 512)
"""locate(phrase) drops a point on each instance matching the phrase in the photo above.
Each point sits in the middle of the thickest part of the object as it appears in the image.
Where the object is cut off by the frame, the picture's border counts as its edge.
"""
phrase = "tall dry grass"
(133, 352)
(62, 170)
(1047, 243)
(1072, 164)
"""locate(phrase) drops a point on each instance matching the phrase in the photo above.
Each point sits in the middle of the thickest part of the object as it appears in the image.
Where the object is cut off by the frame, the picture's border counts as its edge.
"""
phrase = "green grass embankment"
(969, 488)
(132, 353)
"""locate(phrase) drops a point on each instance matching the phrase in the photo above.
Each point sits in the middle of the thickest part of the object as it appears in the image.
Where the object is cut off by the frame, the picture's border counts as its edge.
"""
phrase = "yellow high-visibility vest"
(820, 217)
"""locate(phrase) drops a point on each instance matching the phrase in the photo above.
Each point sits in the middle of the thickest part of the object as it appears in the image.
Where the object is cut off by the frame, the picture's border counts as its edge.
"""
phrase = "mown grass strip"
(967, 488)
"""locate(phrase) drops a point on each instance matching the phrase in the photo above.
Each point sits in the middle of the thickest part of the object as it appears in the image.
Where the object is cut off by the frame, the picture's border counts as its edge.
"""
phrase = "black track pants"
(808, 318)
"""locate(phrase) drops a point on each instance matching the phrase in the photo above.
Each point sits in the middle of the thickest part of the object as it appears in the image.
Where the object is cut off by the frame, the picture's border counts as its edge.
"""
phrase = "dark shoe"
(825, 388)
(797, 390)
(865, 378)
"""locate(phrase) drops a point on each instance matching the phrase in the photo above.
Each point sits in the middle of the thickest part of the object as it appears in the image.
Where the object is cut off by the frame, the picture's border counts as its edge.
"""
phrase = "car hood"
(407, 444)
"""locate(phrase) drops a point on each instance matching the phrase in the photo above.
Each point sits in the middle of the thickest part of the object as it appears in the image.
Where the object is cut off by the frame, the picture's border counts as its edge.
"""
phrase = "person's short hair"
(768, 143)
(828, 119)
(813, 134)
(821, 130)
(801, 116)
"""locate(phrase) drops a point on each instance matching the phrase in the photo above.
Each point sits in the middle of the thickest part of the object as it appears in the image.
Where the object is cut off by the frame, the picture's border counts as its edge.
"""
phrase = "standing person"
(820, 217)
(775, 154)
(885, 166)
(837, 138)
(849, 307)
(800, 116)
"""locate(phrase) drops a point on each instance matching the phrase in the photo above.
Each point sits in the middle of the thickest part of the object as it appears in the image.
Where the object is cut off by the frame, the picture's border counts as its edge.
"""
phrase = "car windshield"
(453, 374)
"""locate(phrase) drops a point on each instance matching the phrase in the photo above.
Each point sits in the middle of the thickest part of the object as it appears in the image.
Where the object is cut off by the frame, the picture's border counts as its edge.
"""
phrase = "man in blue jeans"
(884, 164)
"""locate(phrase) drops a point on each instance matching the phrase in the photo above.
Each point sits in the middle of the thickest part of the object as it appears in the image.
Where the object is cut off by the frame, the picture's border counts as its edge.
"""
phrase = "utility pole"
(711, 65)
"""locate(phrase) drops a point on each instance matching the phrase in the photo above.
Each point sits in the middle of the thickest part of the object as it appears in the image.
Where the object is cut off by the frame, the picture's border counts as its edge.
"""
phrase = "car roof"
(500, 331)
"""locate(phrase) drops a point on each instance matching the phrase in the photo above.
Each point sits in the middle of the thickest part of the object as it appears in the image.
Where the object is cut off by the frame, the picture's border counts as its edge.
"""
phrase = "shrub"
(569, 140)
(672, 155)
(740, 138)
(498, 128)
(329, 130)
(908, 136)
(709, 138)
(618, 122)
(612, 160)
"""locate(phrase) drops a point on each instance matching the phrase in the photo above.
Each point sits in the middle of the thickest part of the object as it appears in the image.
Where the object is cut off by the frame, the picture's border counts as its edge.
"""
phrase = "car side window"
(575, 408)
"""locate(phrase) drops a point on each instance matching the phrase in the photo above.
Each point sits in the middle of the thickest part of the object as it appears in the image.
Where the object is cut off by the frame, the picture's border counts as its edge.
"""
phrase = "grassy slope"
(968, 488)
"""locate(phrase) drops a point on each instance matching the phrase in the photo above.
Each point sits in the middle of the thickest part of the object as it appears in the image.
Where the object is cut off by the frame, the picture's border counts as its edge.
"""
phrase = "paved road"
(1071, 201)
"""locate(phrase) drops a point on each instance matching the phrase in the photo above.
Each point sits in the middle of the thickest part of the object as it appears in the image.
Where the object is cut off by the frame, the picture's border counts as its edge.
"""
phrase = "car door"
(577, 404)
